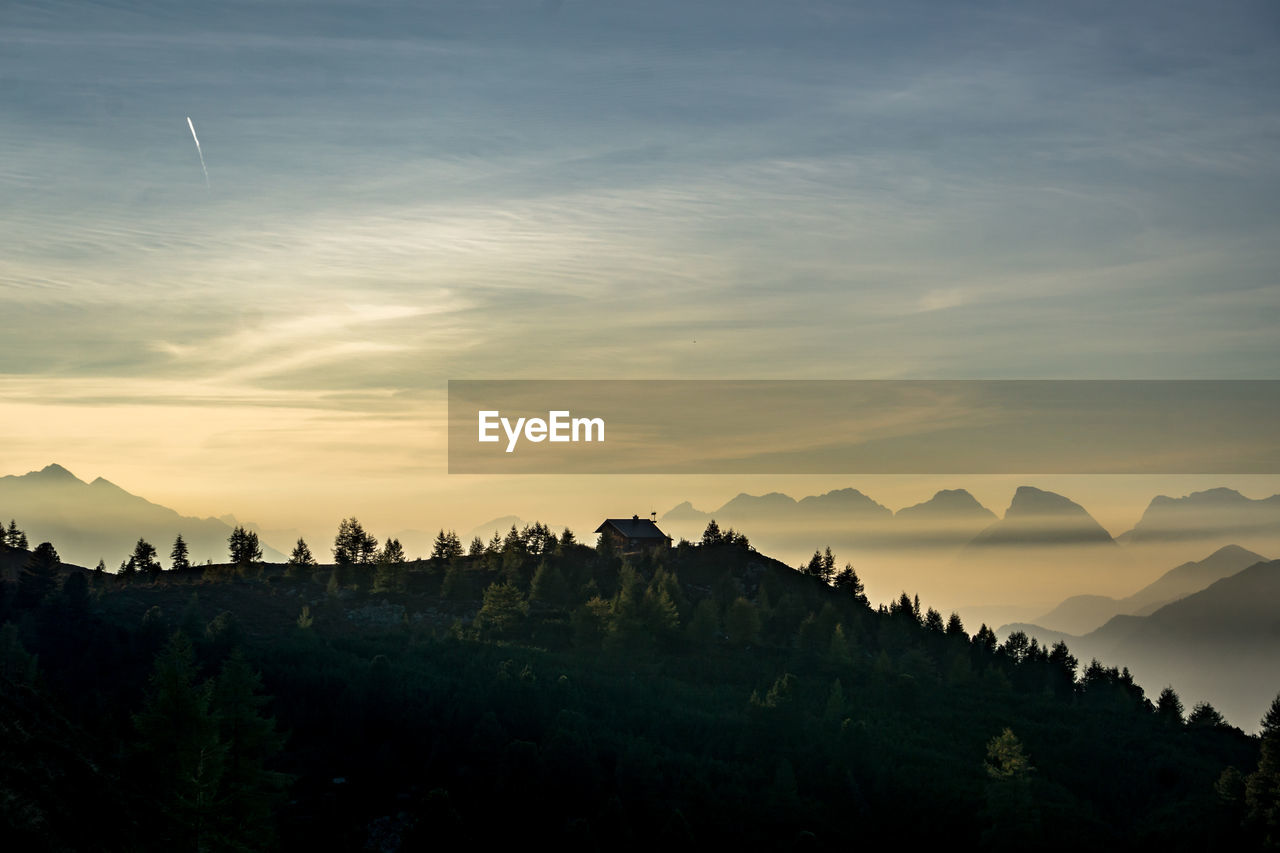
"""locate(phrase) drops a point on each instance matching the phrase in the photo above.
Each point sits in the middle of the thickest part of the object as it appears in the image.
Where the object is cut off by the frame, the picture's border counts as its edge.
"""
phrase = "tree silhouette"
(244, 547)
(447, 546)
(1205, 716)
(1169, 707)
(14, 537)
(178, 556)
(1262, 787)
(39, 576)
(301, 558)
(711, 535)
(353, 546)
(847, 582)
(144, 559)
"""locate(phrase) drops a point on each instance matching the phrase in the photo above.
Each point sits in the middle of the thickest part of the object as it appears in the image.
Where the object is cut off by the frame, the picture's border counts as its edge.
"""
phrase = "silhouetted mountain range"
(99, 520)
(1037, 517)
(951, 517)
(954, 518)
(1221, 643)
(1199, 515)
(1083, 613)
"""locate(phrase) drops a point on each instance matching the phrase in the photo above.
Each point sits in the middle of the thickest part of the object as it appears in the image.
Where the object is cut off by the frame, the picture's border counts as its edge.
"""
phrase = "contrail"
(198, 151)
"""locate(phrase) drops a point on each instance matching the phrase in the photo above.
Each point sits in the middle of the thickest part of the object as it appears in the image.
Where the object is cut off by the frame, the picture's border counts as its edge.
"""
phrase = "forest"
(537, 687)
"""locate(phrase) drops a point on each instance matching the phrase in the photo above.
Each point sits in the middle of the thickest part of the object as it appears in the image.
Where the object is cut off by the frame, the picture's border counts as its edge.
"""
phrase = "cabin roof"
(634, 527)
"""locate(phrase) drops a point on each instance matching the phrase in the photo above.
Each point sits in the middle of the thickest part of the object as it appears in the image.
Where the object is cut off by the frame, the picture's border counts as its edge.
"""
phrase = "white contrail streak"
(198, 151)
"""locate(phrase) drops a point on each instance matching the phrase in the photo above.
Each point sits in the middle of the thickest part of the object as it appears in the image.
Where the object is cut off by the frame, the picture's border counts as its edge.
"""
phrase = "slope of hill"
(99, 520)
(1081, 614)
(1221, 644)
(721, 700)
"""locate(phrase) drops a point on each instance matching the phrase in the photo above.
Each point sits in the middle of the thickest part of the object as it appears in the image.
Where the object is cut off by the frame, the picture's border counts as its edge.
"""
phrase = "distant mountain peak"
(1219, 495)
(1219, 513)
(1030, 501)
(948, 502)
(53, 473)
(103, 484)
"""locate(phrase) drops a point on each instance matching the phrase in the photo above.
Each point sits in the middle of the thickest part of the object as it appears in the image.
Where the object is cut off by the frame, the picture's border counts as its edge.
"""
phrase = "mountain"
(837, 510)
(947, 504)
(686, 512)
(1219, 514)
(1036, 517)
(1221, 644)
(846, 504)
(952, 517)
(1080, 614)
(99, 520)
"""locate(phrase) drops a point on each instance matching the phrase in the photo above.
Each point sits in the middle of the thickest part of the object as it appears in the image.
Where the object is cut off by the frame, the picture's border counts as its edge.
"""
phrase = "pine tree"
(1204, 716)
(711, 535)
(847, 582)
(178, 556)
(179, 744)
(39, 576)
(392, 574)
(448, 545)
(244, 547)
(247, 791)
(14, 537)
(300, 560)
(392, 552)
(1169, 707)
(549, 586)
(1262, 787)
(353, 546)
(827, 570)
(503, 610)
(1014, 818)
(144, 559)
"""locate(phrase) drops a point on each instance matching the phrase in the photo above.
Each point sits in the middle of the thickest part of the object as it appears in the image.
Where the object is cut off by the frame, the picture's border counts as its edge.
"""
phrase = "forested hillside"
(536, 688)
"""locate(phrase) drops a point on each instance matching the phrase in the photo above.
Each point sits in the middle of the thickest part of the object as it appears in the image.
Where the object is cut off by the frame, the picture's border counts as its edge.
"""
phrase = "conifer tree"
(244, 547)
(14, 537)
(448, 545)
(178, 742)
(300, 560)
(1262, 787)
(1169, 707)
(178, 556)
(248, 791)
(144, 560)
(711, 535)
(39, 576)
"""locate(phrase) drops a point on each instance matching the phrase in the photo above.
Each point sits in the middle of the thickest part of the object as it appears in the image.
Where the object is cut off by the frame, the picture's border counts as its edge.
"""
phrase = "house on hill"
(634, 534)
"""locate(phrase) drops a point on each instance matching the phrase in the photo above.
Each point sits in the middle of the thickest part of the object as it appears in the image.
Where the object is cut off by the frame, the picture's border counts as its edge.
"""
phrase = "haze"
(571, 191)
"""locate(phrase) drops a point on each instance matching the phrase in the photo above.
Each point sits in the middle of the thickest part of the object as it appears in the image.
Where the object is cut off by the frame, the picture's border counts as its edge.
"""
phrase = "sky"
(400, 194)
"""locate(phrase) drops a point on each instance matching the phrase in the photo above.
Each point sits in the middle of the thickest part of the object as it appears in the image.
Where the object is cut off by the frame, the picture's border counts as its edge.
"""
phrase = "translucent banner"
(864, 427)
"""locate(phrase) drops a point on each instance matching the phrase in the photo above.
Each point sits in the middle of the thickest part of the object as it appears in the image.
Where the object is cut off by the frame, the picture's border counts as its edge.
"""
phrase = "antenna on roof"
(653, 513)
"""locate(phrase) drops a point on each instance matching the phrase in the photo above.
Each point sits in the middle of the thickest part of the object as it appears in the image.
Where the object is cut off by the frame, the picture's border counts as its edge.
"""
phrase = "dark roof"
(634, 527)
